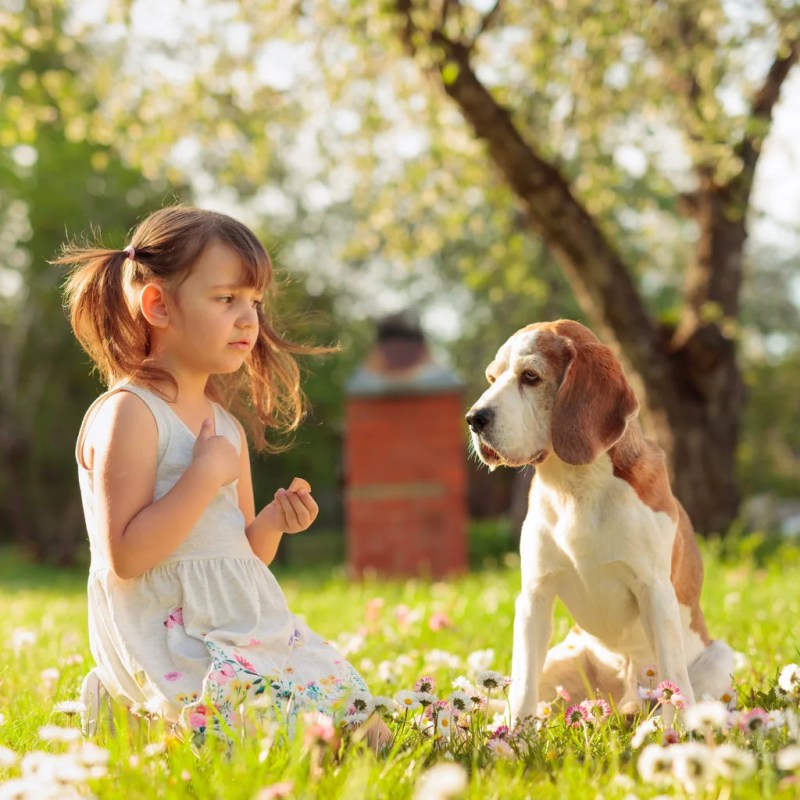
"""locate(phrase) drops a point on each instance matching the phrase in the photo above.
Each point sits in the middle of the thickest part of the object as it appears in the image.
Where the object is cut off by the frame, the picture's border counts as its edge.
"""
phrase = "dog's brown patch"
(641, 463)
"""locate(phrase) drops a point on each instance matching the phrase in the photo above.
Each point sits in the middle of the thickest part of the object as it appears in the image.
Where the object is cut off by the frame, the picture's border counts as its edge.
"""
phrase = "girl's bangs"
(256, 269)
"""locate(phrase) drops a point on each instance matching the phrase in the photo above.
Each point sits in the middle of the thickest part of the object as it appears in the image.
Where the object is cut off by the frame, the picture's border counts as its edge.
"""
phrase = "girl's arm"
(123, 444)
(289, 512)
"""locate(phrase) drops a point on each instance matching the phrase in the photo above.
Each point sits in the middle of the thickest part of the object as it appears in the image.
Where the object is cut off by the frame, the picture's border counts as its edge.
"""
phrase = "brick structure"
(405, 464)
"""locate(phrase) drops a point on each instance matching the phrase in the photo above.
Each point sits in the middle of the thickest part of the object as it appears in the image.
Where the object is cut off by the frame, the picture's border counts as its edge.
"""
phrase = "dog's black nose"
(479, 418)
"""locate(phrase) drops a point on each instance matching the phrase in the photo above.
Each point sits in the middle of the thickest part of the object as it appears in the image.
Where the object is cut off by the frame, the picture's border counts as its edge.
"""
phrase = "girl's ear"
(153, 304)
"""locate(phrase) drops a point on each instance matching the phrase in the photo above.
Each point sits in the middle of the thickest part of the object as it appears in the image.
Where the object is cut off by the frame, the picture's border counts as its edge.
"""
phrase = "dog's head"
(554, 389)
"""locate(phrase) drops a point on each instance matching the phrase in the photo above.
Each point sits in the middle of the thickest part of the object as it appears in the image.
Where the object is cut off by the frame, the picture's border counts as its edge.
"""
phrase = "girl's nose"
(248, 317)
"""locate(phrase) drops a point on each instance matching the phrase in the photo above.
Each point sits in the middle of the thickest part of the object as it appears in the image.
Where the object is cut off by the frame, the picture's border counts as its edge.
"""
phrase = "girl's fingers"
(284, 498)
(309, 504)
(299, 509)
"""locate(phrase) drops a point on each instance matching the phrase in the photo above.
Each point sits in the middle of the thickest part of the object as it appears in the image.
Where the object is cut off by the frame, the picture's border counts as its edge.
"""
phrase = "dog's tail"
(711, 673)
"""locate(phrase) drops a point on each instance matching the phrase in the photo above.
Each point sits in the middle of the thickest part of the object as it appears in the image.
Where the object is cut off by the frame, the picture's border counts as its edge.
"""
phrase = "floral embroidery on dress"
(233, 680)
(175, 618)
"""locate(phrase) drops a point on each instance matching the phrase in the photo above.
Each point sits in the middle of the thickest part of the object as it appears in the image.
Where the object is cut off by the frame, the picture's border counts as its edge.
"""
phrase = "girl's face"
(213, 317)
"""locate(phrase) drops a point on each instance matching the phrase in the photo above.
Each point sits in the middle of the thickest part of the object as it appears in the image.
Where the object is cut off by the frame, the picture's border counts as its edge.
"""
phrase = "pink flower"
(670, 736)
(425, 684)
(175, 618)
(754, 720)
(244, 662)
(319, 728)
(197, 717)
(575, 716)
(172, 676)
(563, 693)
(223, 674)
(500, 732)
(678, 700)
(402, 614)
(667, 689)
(597, 711)
(648, 674)
(374, 608)
(439, 621)
(280, 789)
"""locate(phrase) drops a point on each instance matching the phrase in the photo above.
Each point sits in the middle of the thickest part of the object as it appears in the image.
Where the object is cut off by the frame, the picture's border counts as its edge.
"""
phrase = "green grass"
(751, 599)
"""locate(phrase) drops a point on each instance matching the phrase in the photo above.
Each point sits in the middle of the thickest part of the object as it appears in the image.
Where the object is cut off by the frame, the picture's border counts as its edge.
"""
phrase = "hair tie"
(130, 251)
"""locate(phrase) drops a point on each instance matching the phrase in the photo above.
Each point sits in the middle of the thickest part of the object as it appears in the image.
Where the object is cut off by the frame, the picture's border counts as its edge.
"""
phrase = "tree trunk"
(687, 379)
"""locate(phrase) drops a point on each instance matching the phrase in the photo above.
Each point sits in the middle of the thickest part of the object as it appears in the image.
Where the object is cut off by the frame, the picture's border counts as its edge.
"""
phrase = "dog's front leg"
(662, 623)
(533, 627)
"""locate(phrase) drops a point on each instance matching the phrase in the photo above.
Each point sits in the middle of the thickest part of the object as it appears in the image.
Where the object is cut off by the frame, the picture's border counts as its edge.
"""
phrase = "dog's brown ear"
(593, 405)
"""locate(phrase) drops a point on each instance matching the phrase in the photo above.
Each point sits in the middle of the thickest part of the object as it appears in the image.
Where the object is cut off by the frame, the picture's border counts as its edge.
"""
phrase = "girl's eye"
(257, 303)
(226, 298)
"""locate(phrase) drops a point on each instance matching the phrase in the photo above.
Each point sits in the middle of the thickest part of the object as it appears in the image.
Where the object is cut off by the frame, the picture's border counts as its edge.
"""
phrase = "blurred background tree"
(349, 136)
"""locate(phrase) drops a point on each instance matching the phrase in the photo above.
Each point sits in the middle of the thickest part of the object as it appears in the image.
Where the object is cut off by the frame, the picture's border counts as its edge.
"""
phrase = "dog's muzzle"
(479, 418)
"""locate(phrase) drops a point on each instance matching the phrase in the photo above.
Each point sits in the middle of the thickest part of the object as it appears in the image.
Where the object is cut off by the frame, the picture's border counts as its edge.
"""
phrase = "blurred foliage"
(54, 181)
(366, 185)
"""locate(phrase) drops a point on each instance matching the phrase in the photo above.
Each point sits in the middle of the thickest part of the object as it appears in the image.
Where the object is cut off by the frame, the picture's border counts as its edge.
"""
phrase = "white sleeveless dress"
(207, 630)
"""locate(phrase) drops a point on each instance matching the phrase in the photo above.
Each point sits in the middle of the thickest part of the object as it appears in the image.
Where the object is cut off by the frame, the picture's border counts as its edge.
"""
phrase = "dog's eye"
(490, 378)
(530, 378)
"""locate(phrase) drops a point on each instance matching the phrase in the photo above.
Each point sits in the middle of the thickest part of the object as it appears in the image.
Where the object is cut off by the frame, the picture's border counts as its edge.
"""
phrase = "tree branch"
(489, 18)
(749, 149)
(600, 279)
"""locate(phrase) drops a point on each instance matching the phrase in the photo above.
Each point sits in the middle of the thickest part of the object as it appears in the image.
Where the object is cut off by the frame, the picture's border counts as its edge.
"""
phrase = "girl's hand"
(293, 509)
(216, 456)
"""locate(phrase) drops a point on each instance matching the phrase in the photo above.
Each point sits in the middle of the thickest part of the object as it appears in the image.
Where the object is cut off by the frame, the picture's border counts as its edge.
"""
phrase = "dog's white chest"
(596, 548)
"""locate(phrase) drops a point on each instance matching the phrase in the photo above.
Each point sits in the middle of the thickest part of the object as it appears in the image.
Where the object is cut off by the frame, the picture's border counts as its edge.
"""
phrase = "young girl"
(185, 617)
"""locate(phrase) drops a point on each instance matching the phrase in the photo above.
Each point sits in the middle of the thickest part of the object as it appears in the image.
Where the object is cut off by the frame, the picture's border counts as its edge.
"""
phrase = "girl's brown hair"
(265, 392)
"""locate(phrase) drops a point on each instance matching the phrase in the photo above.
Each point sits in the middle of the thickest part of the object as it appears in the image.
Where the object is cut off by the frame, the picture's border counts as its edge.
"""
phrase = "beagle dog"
(603, 530)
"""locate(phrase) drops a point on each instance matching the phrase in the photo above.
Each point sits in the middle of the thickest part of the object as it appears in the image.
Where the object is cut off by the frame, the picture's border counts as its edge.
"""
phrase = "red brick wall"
(405, 473)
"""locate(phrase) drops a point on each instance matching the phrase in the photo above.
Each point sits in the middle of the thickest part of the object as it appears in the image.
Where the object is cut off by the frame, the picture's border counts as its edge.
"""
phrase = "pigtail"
(99, 312)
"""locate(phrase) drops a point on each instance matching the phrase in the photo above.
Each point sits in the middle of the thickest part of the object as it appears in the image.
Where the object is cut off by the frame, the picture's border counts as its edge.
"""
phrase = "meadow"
(396, 632)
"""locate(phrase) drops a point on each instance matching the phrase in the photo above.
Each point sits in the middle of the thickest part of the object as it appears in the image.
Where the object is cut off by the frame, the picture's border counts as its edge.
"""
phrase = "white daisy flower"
(354, 718)
(70, 707)
(362, 702)
(155, 749)
(706, 716)
(444, 725)
(776, 718)
(383, 705)
(655, 764)
(50, 675)
(643, 730)
(489, 679)
(441, 781)
(692, 765)
(441, 658)
(544, 710)
(460, 701)
(8, 758)
(425, 698)
(500, 748)
(481, 660)
(55, 733)
(733, 763)
(93, 756)
(788, 759)
(789, 679)
(407, 700)
(20, 637)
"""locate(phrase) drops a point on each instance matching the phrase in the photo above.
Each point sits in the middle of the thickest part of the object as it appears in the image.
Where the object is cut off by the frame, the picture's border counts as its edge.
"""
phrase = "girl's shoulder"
(120, 417)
